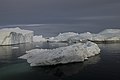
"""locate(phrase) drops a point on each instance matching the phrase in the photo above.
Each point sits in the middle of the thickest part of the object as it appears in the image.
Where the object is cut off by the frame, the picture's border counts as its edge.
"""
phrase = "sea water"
(103, 66)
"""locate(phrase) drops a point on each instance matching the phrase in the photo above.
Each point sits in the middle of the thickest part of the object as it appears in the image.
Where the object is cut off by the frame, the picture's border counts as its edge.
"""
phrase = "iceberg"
(73, 53)
(112, 35)
(83, 37)
(9, 36)
(107, 35)
(39, 38)
(62, 37)
(108, 31)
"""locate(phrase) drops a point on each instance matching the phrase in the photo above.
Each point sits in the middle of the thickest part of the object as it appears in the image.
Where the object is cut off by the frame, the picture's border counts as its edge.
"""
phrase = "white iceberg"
(62, 37)
(15, 47)
(109, 31)
(81, 37)
(87, 37)
(108, 35)
(73, 53)
(9, 36)
(39, 38)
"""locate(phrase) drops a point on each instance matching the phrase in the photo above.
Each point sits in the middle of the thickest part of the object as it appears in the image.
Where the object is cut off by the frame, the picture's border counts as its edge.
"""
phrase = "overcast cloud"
(53, 11)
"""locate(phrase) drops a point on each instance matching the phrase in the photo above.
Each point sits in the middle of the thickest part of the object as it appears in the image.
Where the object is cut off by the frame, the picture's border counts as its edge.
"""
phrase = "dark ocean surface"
(100, 67)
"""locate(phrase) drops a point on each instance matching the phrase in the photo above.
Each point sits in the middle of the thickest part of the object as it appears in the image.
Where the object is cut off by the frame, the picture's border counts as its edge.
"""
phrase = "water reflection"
(24, 71)
(11, 53)
(12, 67)
(8, 53)
(67, 70)
(113, 46)
(111, 49)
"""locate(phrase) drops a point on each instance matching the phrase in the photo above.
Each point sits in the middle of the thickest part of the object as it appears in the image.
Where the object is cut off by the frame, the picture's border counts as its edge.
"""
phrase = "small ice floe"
(58, 44)
(9, 36)
(73, 53)
(15, 47)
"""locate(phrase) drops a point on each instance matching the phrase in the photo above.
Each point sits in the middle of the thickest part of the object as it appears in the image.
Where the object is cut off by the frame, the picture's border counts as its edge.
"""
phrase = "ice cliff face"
(10, 36)
(73, 53)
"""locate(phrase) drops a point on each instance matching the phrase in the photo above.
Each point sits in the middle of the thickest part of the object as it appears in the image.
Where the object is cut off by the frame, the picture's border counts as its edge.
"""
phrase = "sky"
(57, 11)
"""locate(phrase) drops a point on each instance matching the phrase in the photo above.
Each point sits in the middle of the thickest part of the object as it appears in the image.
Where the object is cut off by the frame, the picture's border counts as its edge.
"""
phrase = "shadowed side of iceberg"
(9, 36)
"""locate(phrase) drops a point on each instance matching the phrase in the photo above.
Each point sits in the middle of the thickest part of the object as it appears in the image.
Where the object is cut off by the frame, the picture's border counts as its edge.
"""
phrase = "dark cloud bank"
(59, 11)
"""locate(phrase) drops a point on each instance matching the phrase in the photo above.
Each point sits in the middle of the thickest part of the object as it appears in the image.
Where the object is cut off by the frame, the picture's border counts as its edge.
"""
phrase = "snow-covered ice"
(10, 36)
(73, 53)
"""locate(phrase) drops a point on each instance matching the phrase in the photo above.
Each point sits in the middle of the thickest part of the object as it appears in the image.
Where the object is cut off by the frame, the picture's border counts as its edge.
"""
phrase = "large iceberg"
(9, 36)
(73, 53)
(108, 35)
